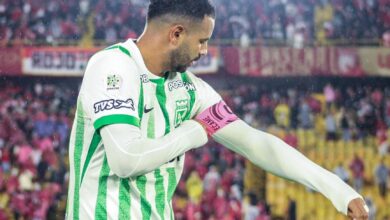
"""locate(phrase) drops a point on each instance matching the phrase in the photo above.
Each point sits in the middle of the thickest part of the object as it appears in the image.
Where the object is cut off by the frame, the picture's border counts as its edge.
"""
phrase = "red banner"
(71, 61)
(56, 61)
(284, 61)
(257, 61)
(10, 61)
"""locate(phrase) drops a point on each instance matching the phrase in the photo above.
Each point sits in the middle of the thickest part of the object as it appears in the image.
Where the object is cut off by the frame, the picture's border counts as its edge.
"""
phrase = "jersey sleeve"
(206, 96)
(111, 89)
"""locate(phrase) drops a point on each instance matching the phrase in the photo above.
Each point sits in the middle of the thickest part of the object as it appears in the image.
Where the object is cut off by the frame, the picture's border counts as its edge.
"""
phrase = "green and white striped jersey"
(118, 88)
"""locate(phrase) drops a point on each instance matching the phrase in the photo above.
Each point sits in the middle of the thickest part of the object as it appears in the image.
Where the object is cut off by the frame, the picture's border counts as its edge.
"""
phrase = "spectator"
(291, 209)
(387, 111)
(330, 95)
(381, 175)
(235, 211)
(331, 127)
(341, 172)
(345, 124)
(357, 168)
(251, 212)
(371, 206)
(282, 114)
(194, 187)
(211, 180)
(221, 204)
(305, 115)
(383, 148)
(291, 139)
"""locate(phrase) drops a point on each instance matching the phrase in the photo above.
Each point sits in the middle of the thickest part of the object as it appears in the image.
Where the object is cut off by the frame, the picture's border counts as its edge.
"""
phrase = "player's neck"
(151, 55)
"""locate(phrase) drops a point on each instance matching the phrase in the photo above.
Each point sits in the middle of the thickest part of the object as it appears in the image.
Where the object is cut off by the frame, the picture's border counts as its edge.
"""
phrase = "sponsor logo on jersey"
(144, 78)
(113, 82)
(182, 107)
(179, 83)
(113, 104)
(147, 110)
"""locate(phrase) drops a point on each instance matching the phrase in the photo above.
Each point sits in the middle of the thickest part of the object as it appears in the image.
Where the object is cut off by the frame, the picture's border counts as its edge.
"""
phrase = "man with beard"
(139, 111)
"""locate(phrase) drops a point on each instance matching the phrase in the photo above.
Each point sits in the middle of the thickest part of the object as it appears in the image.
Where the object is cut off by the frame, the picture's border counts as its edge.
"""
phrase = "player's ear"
(176, 34)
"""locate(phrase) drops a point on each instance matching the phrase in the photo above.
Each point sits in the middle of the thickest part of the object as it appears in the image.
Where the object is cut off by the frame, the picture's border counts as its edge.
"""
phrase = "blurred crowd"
(296, 22)
(35, 121)
(348, 113)
(34, 130)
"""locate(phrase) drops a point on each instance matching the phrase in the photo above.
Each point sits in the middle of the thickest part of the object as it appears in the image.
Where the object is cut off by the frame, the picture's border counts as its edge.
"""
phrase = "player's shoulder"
(116, 58)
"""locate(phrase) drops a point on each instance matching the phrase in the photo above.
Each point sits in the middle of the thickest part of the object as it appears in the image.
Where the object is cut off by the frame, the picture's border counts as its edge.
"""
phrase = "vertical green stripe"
(171, 187)
(124, 199)
(78, 149)
(141, 100)
(145, 205)
(101, 201)
(186, 79)
(171, 182)
(151, 128)
(160, 193)
(91, 150)
(162, 99)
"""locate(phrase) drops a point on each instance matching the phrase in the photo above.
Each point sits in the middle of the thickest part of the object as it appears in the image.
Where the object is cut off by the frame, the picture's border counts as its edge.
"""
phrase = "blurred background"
(316, 73)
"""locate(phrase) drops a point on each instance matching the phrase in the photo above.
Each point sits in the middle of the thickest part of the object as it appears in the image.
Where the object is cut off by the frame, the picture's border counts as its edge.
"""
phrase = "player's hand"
(357, 209)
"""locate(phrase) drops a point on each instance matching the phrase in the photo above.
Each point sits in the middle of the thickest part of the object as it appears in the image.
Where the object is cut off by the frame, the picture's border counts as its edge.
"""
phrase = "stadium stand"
(246, 21)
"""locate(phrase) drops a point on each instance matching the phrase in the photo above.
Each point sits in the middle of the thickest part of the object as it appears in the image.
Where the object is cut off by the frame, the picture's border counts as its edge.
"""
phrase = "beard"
(180, 59)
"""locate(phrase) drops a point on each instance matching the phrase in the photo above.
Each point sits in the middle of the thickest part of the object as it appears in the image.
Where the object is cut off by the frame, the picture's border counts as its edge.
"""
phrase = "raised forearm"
(277, 157)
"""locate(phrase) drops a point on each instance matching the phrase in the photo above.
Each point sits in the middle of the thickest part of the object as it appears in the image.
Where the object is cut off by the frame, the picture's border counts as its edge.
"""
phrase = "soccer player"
(139, 111)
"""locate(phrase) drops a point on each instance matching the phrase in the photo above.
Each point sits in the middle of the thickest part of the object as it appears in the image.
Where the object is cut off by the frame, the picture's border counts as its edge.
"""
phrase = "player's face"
(194, 46)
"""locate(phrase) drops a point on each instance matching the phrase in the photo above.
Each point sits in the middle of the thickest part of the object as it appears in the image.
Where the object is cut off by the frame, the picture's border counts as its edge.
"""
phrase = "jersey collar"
(136, 53)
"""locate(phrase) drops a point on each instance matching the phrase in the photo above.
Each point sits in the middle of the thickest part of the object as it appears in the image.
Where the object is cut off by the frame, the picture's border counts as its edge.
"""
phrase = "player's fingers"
(353, 211)
(362, 209)
(357, 210)
(357, 216)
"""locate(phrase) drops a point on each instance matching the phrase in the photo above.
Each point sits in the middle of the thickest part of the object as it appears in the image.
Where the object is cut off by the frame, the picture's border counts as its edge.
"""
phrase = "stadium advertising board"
(278, 61)
(71, 61)
(10, 61)
(55, 61)
(283, 61)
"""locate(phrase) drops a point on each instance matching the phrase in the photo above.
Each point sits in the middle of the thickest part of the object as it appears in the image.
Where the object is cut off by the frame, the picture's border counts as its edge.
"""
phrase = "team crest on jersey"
(113, 82)
(182, 107)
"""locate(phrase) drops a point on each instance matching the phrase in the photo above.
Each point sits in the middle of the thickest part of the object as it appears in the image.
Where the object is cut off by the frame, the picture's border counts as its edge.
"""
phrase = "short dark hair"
(192, 9)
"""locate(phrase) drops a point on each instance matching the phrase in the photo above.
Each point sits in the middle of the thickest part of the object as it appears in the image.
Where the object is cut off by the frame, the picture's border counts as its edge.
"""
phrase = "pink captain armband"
(216, 117)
